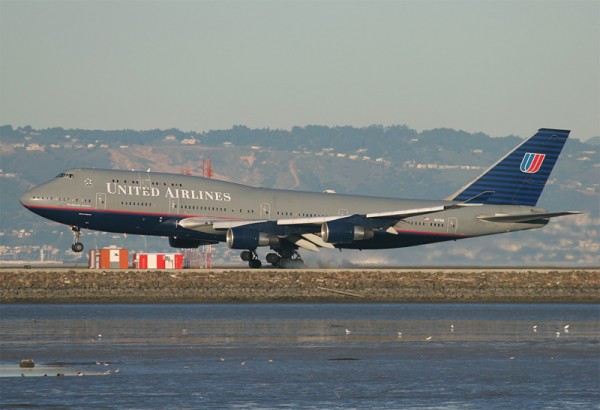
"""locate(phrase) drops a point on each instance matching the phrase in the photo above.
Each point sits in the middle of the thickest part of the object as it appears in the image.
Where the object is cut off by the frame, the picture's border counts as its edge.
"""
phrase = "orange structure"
(158, 261)
(109, 258)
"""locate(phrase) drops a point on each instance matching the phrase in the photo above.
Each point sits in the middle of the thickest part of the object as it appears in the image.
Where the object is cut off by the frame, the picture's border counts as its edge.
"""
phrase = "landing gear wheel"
(273, 259)
(252, 258)
(77, 246)
(287, 257)
(255, 264)
(247, 256)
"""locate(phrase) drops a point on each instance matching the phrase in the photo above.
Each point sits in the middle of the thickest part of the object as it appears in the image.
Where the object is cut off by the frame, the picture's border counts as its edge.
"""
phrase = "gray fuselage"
(150, 203)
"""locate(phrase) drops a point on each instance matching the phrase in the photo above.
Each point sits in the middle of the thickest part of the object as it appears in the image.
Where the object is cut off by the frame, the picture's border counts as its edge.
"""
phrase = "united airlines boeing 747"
(193, 211)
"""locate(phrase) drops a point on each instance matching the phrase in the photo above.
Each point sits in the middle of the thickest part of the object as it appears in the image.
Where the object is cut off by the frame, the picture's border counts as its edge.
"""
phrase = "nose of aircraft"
(26, 199)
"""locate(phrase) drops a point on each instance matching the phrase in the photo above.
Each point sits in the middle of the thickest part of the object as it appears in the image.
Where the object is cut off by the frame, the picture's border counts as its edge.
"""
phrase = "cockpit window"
(64, 175)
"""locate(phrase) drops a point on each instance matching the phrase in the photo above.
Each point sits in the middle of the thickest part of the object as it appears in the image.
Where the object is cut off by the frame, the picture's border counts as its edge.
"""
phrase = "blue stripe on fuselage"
(137, 223)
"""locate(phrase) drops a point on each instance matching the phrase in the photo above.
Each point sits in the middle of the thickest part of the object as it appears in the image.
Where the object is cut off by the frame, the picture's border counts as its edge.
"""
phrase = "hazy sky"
(500, 67)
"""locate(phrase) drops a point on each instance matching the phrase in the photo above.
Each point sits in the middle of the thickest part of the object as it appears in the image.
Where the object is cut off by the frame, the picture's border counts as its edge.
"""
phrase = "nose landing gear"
(77, 246)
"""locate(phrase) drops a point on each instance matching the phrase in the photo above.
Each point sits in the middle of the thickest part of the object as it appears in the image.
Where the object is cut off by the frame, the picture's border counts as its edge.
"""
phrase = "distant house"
(35, 147)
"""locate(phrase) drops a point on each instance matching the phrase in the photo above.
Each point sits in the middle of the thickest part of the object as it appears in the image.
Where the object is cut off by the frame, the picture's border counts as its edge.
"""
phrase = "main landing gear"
(282, 258)
(77, 246)
(252, 258)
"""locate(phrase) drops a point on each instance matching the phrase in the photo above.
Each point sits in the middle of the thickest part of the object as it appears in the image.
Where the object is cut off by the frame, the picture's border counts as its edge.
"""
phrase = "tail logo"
(532, 163)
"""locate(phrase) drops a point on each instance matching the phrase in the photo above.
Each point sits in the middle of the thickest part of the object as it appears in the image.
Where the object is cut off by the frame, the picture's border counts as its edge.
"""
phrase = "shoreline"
(411, 285)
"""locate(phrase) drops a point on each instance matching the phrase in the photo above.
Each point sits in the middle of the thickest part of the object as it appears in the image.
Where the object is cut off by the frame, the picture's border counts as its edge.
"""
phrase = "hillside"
(380, 161)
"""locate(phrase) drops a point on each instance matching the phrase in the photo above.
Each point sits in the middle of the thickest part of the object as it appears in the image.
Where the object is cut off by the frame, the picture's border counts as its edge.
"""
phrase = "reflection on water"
(272, 356)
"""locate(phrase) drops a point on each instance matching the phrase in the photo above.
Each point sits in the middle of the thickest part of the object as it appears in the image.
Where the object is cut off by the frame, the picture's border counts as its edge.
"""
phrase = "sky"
(498, 67)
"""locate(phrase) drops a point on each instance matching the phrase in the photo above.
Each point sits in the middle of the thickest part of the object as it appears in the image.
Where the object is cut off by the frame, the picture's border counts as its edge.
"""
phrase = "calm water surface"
(301, 356)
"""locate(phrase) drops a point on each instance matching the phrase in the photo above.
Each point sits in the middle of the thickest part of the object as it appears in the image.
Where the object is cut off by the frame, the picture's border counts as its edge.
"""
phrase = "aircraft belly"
(117, 222)
(402, 240)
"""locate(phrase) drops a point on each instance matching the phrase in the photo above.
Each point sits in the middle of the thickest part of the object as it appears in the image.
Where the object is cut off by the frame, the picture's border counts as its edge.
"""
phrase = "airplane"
(193, 211)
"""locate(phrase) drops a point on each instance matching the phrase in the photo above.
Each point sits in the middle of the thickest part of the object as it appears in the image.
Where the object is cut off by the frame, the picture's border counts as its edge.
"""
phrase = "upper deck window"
(65, 175)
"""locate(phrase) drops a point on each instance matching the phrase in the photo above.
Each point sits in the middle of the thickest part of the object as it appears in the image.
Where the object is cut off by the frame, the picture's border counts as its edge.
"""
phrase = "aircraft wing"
(391, 215)
(307, 232)
(202, 224)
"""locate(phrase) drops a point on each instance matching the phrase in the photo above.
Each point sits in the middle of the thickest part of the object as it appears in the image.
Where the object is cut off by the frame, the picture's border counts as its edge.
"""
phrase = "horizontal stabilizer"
(515, 218)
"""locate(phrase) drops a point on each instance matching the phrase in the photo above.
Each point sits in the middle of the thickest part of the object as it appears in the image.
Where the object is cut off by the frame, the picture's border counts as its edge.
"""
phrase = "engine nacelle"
(185, 243)
(244, 238)
(343, 232)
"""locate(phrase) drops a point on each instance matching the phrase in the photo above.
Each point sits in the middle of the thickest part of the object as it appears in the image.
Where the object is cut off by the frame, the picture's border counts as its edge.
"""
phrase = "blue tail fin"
(519, 177)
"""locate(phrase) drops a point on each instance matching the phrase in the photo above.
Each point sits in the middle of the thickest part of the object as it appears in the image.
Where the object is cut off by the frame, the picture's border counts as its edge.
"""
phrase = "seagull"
(348, 331)
(452, 328)
(534, 328)
(399, 334)
(566, 328)
(557, 334)
(428, 338)
(243, 363)
(222, 359)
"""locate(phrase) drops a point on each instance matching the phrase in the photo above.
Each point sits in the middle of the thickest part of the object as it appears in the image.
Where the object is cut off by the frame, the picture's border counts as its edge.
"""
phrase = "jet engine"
(244, 238)
(343, 232)
(185, 243)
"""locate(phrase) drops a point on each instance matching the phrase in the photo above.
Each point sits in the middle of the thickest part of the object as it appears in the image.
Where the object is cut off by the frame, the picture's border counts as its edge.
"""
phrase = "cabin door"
(265, 211)
(100, 200)
(452, 223)
(173, 206)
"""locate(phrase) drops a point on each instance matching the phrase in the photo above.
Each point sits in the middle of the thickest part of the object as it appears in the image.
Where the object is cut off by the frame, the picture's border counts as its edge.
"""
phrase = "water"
(299, 356)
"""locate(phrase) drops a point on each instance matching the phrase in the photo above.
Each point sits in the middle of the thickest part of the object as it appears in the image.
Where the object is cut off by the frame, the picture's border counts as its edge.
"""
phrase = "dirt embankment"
(249, 286)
